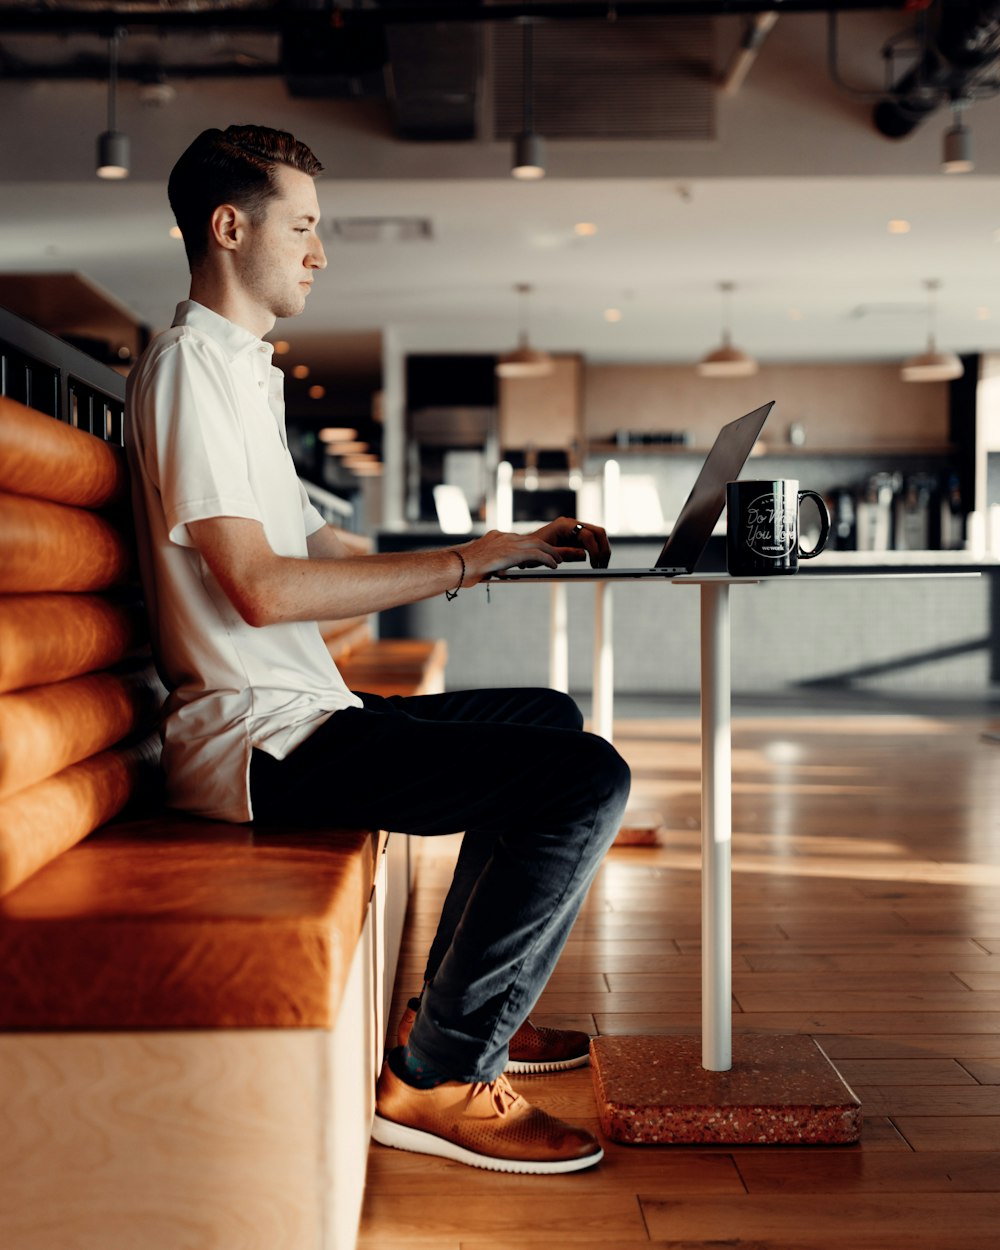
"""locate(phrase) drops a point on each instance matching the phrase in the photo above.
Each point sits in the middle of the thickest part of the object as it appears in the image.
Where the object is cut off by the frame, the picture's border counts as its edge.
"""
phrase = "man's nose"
(317, 257)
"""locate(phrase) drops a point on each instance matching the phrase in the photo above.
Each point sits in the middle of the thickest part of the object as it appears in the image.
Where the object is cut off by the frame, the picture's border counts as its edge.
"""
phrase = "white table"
(716, 762)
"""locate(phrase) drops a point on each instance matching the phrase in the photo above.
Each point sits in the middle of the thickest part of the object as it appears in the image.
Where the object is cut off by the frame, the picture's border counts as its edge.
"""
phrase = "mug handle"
(824, 521)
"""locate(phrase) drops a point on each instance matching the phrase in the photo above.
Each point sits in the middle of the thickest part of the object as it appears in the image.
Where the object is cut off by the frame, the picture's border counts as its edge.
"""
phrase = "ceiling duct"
(647, 78)
(434, 79)
(326, 54)
(963, 45)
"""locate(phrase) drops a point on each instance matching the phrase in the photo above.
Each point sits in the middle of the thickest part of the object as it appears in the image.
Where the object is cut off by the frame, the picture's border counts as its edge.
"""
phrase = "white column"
(604, 664)
(716, 830)
(393, 429)
(558, 640)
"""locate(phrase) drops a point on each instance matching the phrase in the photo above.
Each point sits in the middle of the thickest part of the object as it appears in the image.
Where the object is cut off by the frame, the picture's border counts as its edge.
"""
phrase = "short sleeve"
(191, 417)
(312, 518)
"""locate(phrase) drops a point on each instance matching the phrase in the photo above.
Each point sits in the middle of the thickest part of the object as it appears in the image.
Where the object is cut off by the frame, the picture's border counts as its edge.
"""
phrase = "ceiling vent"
(377, 230)
(640, 79)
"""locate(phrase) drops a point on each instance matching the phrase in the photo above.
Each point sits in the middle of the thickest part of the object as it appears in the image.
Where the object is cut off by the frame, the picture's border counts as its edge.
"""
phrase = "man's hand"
(563, 539)
(575, 540)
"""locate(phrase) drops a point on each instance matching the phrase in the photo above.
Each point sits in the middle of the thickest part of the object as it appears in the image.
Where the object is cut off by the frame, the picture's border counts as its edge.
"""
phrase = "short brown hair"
(231, 166)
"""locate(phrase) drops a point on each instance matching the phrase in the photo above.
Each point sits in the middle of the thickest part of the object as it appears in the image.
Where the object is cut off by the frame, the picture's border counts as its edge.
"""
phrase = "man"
(238, 568)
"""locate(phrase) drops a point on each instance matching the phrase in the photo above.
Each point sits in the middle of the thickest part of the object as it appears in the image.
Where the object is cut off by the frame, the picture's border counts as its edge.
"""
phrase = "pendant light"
(112, 146)
(727, 361)
(524, 361)
(529, 147)
(932, 365)
(957, 155)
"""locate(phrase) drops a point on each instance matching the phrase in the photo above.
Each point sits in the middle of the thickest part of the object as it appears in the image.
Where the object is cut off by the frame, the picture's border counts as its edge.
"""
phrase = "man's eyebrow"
(312, 218)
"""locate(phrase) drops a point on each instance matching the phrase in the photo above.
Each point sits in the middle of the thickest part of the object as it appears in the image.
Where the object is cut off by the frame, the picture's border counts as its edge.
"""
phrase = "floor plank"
(892, 1221)
(849, 1172)
(956, 1132)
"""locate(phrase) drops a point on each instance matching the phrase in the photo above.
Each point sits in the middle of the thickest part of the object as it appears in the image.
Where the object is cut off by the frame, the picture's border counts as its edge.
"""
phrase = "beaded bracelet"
(453, 594)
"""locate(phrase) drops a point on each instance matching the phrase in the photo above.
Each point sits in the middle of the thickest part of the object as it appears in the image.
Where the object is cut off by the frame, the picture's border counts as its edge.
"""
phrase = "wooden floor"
(866, 913)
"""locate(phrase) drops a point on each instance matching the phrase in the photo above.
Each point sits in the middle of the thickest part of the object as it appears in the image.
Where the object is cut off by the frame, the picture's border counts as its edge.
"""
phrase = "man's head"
(233, 166)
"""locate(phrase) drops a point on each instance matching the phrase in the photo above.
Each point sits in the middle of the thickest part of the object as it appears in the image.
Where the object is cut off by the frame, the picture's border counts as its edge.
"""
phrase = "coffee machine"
(913, 514)
(875, 515)
(843, 519)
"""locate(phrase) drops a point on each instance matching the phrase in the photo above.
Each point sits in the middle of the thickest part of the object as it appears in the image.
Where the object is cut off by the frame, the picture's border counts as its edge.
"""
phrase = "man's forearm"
(266, 588)
(328, 588)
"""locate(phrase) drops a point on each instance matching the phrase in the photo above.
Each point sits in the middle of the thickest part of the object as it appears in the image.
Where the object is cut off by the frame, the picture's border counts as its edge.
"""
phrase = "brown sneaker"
(484, 1125)
(533, 1048)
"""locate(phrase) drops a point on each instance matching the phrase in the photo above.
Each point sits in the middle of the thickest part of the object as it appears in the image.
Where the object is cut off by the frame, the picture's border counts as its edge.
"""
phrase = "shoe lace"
(499, 1092)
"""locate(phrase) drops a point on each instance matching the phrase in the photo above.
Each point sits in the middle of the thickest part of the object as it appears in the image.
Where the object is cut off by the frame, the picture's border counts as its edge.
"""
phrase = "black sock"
(413, 1070)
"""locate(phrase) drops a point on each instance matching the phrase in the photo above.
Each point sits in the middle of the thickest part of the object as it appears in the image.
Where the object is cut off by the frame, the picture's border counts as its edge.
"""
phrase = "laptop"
(697, 519)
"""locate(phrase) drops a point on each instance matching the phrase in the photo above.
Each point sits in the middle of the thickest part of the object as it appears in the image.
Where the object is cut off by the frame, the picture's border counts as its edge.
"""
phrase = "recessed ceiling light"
(585, 228)
(282, 347)
(337, 434)
(175, 232)
(317, 392)
(612, 314)
(899, 225)
(300, 371)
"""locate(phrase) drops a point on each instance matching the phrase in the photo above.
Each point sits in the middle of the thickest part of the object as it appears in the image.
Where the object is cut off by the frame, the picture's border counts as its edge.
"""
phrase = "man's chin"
(290, 307)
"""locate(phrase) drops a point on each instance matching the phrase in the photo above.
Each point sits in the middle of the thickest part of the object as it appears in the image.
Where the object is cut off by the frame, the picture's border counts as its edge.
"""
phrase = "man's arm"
(266, 588)
(327, 542)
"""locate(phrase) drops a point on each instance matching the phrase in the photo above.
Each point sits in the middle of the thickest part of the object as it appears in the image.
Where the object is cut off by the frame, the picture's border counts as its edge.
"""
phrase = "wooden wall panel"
(839, 406)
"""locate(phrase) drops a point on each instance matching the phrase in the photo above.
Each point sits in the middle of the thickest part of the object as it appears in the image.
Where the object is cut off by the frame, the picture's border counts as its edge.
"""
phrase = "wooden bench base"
(249, 1138)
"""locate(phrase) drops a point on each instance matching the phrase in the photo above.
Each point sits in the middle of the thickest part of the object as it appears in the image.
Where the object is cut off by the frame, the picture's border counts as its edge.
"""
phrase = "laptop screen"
(704, 505)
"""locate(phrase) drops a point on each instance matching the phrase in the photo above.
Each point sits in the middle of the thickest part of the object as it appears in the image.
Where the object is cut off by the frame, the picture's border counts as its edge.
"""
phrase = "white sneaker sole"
(560, 1065)
(401, 1137)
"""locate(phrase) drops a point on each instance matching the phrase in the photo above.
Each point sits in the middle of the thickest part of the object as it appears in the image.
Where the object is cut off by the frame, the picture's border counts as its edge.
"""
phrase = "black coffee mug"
(762, 527)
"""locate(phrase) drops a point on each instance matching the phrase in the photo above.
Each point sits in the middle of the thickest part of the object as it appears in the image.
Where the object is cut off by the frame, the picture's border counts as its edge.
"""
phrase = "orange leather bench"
(125, 925)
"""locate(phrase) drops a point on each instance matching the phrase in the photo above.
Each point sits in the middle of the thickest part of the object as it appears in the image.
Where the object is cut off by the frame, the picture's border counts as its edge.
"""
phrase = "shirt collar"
(235, 340)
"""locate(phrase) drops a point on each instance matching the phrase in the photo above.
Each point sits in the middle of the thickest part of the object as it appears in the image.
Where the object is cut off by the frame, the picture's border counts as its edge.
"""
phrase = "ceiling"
(784, 188)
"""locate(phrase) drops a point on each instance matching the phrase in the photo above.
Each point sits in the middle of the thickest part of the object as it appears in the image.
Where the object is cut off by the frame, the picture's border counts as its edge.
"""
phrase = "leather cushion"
(49, 637)
(172, 922)
(50, 546)
(46, 728)
(51, 460)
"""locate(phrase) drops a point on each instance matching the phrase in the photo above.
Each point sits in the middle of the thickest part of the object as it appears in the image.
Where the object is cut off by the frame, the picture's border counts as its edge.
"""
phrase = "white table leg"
(558, 644)
(604, 664)
(716, 831)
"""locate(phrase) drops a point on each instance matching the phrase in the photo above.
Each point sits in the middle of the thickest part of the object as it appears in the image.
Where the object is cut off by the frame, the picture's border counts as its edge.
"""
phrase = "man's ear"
(226, 227)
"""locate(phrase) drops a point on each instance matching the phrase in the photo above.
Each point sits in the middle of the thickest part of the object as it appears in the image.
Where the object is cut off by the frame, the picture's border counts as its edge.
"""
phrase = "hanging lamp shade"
(524, 361)
(528, 160)
(956, 157)
(726, 361)
(529, 156)
(932, 365)
(112, 145)
(112, 155)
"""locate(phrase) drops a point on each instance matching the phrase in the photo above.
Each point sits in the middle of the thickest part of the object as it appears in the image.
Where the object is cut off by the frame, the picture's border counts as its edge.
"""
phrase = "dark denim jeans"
(540, 802)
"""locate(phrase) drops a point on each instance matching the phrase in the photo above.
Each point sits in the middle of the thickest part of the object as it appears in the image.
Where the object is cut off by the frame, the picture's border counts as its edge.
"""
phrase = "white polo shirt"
(205, 433)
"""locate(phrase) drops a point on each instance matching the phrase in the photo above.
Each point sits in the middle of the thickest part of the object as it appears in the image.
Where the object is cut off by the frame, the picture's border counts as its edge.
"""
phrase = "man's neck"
(230, 304)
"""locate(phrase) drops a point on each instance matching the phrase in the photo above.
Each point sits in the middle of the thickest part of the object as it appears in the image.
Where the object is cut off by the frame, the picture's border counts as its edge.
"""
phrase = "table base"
(780, 1090)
